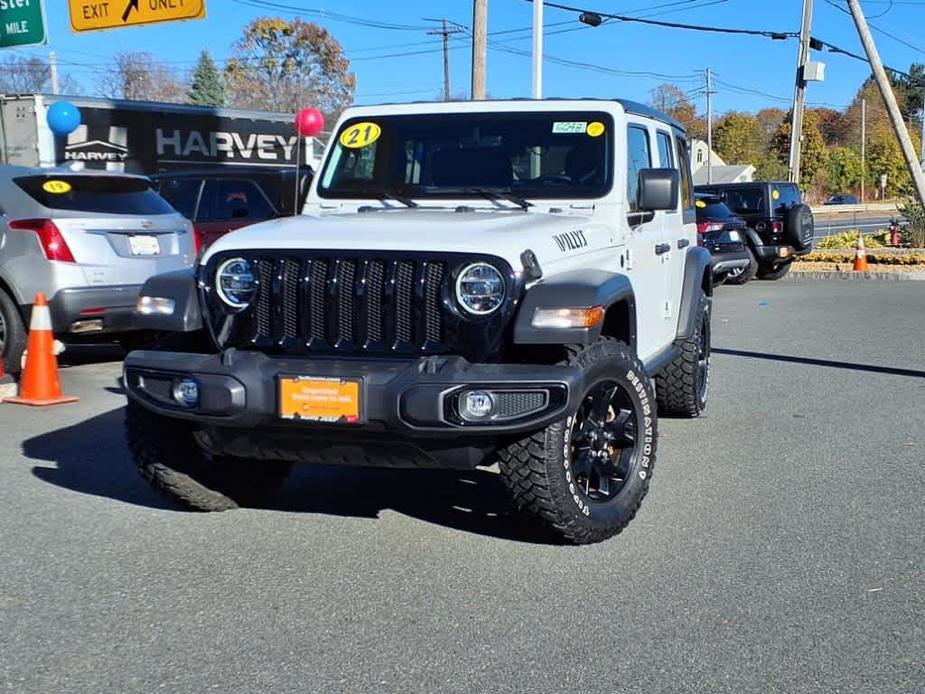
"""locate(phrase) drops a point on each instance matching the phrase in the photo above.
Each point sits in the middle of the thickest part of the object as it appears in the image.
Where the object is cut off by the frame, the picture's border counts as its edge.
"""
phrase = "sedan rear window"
(100, 194)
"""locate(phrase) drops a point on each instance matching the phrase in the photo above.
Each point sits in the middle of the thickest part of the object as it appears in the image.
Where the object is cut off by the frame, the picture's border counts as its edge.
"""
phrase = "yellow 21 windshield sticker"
(56, 187)
(595, 129)
(360, 135)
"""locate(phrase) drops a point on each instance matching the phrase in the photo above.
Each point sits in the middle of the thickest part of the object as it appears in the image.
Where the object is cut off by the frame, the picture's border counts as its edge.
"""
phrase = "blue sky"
(752, 72)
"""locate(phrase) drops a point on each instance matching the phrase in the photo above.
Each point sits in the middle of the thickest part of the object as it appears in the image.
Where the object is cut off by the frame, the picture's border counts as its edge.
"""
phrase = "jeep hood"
(504, 233)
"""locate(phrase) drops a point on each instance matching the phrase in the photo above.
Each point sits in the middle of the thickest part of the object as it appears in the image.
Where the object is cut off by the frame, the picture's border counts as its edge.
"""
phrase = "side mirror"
(659, 189)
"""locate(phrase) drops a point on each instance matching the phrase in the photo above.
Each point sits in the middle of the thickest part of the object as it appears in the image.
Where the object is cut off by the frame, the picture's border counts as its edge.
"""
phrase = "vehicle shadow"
(869, 368)
(91, 458)
(80, 354)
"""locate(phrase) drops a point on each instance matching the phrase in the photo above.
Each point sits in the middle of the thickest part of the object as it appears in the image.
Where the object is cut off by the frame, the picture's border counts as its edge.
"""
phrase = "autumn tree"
(813, 154)
(831, 125)
(671, 99)
(141, 76)
(884, 156)
(844, 169)
(739, 139)
(281, 65)
(770, 120)
(207, 86)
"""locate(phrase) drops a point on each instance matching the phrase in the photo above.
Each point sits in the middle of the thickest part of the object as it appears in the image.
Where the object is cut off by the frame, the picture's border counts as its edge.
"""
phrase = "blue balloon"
(63, 117)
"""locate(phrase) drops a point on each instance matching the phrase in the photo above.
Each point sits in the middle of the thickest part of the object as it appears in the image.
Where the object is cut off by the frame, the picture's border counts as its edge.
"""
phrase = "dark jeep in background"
(780, 226)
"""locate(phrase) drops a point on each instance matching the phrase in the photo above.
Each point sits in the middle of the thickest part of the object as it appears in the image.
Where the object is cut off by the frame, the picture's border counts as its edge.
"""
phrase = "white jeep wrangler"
(469, 284)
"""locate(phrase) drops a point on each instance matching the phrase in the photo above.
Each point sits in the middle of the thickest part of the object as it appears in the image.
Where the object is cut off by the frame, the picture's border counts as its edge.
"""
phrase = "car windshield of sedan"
(509, 155)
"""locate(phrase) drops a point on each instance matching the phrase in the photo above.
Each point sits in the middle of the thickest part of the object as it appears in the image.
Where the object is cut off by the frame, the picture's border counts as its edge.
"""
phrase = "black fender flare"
(752, 238)
(698, 274)
(574, 289)
(182, 288)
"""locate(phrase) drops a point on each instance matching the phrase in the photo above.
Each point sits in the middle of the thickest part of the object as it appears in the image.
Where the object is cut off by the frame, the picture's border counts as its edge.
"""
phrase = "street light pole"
(799, 96)
(537, 49)
(709, 126)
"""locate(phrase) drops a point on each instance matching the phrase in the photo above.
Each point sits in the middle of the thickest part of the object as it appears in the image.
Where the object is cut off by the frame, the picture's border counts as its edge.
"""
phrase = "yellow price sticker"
(700, 203)
(56, 187)
(775, 193)
(595, 129)
(360, 135)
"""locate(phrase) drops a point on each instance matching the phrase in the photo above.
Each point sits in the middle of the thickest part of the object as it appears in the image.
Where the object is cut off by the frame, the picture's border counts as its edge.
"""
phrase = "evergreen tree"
(207, 87)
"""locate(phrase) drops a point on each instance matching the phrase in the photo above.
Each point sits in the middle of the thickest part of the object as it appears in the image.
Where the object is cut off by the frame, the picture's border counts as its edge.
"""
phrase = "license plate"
(144, 245)
(319, 399)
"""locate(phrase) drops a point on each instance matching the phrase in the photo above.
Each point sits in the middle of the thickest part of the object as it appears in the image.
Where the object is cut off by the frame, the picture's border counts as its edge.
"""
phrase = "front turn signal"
(564, 318)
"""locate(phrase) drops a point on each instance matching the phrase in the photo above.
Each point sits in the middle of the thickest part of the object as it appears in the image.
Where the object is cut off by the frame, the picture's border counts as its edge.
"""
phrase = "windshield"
(104, 194)
(528, 154)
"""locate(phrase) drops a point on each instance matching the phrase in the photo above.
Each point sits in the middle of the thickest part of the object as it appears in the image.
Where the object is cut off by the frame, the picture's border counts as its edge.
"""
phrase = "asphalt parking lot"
(781, 548)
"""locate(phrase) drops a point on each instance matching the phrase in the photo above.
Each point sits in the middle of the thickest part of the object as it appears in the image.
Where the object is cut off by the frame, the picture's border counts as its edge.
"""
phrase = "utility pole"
(863, 145)
(53, 71)
(537, 49)
(902, 134)
(445, 32)
(709, 126)
(479, 47)
(799, 96)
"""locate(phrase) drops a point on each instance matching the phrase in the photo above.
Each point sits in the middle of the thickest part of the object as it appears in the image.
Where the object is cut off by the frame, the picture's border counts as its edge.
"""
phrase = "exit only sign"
(22, 23)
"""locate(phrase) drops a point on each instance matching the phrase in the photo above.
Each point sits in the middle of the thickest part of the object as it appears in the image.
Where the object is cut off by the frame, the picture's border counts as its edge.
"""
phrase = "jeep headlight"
(235, 283)
(480, 288)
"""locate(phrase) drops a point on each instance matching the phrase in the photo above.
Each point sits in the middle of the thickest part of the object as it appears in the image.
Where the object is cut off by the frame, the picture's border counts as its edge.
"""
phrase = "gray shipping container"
(146, 138)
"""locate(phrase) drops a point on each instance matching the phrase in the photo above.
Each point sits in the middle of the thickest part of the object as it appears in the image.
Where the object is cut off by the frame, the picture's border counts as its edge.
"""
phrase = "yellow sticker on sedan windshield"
(595, 129)
(700, 203)
(775, 193)
(56, 187)
(360, 135)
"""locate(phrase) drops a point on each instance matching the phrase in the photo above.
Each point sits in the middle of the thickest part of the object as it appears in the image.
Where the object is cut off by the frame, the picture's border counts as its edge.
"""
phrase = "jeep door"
(646, 246)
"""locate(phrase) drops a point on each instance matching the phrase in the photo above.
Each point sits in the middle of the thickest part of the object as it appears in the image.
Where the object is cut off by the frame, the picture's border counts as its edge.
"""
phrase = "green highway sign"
(22, 23)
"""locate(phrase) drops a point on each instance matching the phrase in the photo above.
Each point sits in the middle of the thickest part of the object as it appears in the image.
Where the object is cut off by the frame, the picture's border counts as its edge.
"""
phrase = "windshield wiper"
(386, 195)
(500, 194)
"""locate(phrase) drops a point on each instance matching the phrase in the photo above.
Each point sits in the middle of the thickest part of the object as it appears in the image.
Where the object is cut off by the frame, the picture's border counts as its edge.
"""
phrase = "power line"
(878, 29)
(777, 35)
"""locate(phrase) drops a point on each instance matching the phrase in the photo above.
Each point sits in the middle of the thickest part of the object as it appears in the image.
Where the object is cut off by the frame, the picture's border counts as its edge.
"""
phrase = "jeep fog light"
(155, 305)
(476, 404)
(562, 318)
(186, 392)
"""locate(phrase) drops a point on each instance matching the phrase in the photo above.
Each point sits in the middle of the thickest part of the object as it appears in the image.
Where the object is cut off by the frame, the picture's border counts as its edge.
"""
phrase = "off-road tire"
(168, 457)
(13, 334)
(537, 471)
(683, 386)
(775, 273)
(748, 274)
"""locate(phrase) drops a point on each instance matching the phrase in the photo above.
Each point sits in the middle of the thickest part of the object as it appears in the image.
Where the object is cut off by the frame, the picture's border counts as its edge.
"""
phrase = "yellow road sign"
(93, 15)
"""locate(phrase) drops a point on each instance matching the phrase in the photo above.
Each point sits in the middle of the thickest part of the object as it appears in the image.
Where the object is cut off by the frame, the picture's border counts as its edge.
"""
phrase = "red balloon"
(309, 122)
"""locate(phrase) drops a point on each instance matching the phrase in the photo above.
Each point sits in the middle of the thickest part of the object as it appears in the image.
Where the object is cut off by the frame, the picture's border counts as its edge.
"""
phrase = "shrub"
(914, 231)
(849, 239)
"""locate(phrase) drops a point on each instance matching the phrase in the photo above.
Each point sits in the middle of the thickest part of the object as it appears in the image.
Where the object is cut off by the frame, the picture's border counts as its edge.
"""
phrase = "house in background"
(722, 172)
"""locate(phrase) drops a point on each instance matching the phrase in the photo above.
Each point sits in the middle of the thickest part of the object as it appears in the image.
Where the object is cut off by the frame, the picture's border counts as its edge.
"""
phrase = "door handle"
(683, 243)
(662, 248)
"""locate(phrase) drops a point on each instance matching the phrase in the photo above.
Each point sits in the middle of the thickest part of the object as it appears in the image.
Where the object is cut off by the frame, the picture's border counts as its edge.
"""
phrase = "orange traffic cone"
(860, 256)
(40, 385)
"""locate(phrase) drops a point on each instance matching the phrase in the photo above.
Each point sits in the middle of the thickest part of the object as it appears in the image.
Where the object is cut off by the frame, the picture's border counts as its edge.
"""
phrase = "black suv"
(780, 226)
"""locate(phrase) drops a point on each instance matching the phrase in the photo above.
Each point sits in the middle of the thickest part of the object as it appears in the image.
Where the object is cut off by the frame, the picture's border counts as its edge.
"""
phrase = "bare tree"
(31, 75)
(140, 76)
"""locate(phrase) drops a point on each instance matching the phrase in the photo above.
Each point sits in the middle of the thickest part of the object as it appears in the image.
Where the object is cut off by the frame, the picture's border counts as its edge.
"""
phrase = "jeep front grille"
(347, 304)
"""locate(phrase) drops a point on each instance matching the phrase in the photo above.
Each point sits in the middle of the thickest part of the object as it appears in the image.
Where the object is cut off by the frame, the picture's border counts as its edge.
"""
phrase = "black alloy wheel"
(603, 442)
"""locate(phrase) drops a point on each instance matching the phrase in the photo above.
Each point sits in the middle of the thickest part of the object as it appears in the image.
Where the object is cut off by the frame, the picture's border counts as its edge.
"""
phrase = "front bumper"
(82, 310)
(240, 390)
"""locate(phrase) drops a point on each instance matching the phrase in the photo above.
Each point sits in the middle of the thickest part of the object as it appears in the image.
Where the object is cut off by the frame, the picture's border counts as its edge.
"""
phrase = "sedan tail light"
(706, 227)
(50, 237)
